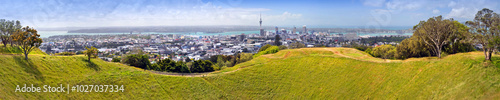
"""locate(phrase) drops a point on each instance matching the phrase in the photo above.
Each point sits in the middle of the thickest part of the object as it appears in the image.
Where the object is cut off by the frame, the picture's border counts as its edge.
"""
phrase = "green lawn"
(308, 73)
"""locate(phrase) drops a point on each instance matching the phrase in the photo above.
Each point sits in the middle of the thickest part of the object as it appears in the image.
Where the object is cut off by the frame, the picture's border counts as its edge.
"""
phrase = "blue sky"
(327, 13)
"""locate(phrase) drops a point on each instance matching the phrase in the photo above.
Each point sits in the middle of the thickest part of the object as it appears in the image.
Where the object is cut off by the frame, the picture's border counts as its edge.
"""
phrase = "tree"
(485, 30)
(137, 60)
(282, 47)
(296, 45)
(188, 59)
(412, 47)
(90, 52)
(385, 51)
(436, 32)
(12, 30)
(264, 47)
(28, 40)
(7, 30)
(115, 59)
(4, 35)
(277, 40)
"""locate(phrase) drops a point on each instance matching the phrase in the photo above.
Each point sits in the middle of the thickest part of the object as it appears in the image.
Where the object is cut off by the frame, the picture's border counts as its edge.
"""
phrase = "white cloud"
(463, 12)
(375, 3)
(183, 14)
(435, 11)
(452, 3)
(467, 10)
(399, 5)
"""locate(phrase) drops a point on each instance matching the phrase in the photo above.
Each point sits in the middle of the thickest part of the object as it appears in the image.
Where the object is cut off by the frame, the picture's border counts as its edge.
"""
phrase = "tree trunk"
(487, 54)
(26, 56)
(4, 43)
(439, 54)
(89, 58)
(438, 50)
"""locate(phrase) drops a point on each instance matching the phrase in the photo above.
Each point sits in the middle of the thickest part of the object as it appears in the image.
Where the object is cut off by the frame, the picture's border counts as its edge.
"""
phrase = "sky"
(315, 13)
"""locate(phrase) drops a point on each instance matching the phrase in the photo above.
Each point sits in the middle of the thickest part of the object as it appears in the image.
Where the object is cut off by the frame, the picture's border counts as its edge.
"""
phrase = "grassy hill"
(14, 50)
(307, 73)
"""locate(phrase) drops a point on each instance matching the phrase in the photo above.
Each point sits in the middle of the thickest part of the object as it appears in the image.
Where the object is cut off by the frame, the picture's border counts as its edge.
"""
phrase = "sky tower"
(261, 30)
(260, 21)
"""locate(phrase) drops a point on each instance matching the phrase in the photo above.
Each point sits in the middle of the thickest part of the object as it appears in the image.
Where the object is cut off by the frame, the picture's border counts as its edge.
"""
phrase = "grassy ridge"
(308, 73)
(14, 50)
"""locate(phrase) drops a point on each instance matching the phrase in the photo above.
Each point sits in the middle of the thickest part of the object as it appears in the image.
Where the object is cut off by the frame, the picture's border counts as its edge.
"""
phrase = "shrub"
(384, 51)
(263, 48)
(270, 50)
(115, 60)
(282, 47)
(137, 60)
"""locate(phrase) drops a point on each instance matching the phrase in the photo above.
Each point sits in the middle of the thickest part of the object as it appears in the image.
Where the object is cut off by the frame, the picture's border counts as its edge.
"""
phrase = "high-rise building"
(294, 30)
(304, 30)
(276, 28)
(262, 33)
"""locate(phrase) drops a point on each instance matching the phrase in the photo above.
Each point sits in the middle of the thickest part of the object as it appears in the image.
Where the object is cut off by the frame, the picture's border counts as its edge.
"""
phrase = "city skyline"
(313, 13)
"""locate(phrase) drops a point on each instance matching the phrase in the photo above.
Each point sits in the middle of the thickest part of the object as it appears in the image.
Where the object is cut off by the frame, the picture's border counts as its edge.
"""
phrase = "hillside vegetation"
(307, 73)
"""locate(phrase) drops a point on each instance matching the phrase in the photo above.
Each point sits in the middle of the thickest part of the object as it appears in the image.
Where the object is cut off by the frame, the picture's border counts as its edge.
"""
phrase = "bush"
(115, 60)
(384, 51)
(170, 66)
(202, 66)
(296, 45)
(243, 57)
(282, 47)
(270, 50)
(263, 48)
(137, 60)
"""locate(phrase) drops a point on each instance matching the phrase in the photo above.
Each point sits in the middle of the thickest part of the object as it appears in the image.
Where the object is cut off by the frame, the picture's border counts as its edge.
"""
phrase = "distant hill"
(307, 73)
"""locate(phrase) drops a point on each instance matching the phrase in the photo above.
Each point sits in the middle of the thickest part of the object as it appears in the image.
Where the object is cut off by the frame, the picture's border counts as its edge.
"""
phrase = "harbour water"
(46, 34)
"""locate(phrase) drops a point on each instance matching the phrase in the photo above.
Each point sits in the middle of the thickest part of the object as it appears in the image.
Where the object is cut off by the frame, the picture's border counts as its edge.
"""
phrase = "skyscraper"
(304, 30)
(261, 30)
(276, 28)
(294, 30)
(260, 21)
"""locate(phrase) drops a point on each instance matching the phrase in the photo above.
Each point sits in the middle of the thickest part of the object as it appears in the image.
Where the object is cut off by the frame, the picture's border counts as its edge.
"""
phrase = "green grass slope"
(308, 73)
(15, 50)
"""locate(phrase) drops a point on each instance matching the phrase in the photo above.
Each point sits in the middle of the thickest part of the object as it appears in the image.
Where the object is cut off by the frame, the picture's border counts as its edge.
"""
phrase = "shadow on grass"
(29, 67)
(495, 61)
(91, 65)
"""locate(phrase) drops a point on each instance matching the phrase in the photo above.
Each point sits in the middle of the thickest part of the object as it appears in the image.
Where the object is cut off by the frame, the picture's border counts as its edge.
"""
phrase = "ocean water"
(46, 34)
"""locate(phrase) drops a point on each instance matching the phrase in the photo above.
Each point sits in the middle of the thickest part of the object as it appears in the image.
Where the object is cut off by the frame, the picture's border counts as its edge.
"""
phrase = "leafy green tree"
(220, 61)
(115, 59)
(436, 32)
(296, 45)
(277, 39)
(188, 59)
(137, 60)
(28, 40)
(385, 51)
(485, 30)
(90, 52)
(412, 47)
(282, 47)
(264, 47)
(243, 57)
